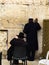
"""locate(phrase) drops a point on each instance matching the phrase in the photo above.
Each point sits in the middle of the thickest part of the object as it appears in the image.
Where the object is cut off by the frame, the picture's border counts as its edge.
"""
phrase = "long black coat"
(14, 42)
(31, 29)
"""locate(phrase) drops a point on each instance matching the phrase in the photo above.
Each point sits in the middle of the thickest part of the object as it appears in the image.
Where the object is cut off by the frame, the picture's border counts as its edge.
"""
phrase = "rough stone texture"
(15, 13)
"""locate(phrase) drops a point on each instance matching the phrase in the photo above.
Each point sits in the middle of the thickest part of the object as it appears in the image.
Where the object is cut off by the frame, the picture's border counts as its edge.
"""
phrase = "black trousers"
(15, 61)
(30, 54)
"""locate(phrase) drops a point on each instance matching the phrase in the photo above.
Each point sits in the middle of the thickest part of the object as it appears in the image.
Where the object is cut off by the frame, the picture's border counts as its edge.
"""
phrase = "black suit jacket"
(14, 42)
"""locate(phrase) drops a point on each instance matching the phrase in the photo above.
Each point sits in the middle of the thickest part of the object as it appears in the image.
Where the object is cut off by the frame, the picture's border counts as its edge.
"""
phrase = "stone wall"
(15, 13)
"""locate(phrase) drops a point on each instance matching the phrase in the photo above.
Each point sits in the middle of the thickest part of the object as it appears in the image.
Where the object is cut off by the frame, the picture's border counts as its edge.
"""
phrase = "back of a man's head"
(30, 20)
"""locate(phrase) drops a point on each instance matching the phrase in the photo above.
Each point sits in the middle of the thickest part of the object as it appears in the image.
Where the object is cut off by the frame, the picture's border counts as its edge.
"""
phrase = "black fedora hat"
(21, 35)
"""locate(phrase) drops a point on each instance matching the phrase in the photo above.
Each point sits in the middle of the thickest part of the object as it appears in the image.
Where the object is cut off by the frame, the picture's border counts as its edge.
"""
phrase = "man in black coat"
(30, 29)
(15, 42)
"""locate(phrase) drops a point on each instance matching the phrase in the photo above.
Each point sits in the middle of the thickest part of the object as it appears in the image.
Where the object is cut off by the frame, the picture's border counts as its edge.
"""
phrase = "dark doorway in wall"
(45, 47)
(3, 42)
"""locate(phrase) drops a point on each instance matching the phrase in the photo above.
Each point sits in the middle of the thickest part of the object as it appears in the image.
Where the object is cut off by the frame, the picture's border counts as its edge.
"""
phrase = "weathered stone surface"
(15, 13)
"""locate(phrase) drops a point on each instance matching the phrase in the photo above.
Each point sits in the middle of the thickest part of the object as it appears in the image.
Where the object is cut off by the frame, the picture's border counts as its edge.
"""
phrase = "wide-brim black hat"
(21, 35)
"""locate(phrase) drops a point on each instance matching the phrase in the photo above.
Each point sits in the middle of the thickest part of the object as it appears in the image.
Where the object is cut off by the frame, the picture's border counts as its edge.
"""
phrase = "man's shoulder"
(26, 23)
(13, 39)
